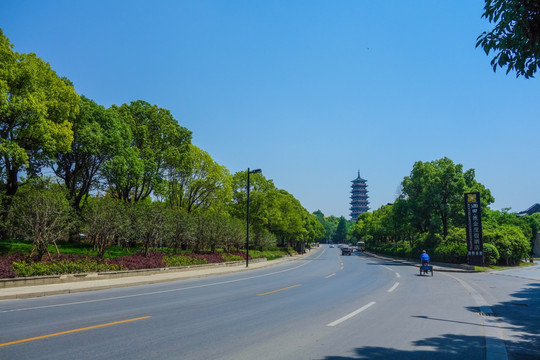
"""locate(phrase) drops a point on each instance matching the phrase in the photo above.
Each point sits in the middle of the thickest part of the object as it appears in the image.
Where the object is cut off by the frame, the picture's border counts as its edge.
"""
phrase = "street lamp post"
(256, 171)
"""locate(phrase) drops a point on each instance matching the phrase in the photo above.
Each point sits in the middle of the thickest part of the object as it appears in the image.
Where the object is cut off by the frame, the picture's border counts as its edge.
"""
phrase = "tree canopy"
(429, 214)
(98, 134)
(157, 141)
(37, 108)
(515, 39)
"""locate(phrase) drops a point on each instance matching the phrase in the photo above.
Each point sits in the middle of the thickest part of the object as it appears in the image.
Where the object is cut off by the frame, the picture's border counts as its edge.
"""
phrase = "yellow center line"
(73, 331)
(275, 291)
(329, 276)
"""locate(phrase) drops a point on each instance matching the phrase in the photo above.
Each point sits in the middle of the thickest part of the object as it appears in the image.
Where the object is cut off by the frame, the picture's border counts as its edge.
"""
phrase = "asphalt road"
(324, 306)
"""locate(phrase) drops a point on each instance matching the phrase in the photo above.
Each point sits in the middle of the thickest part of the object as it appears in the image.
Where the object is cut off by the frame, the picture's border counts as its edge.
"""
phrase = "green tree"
(198, 181)
(511, 243)
(40, 212)
(104, 223)
(36, 110)
(330, 224)
(515, 39)
(147, 221)
(178, 230)
(99, 135)
(341, 232)
(158, 142)
(263, 199)
(434, 194)
(271, 210)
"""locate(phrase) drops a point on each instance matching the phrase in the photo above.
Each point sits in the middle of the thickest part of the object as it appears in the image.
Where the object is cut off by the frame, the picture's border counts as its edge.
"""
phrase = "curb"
(437, 266)
(83, 277)
(82, 283)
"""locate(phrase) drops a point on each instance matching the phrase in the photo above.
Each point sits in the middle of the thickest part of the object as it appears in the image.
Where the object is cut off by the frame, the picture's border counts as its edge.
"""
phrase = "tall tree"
(36, 110)
(198, 181)
(40, 212)
(341, 231)
(434, 193)
(157, 141)
(515, 39)
(99, 134)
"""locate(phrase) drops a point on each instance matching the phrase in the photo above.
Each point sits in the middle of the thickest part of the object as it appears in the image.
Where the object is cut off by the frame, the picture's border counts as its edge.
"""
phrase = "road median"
(20, 288)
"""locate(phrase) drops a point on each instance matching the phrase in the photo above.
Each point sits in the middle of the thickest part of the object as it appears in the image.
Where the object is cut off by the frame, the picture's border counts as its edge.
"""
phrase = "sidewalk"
(441, 267)
(39, 290)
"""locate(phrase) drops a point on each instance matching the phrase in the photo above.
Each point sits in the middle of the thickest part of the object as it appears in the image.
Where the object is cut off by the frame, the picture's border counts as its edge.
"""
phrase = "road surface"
(324, 306)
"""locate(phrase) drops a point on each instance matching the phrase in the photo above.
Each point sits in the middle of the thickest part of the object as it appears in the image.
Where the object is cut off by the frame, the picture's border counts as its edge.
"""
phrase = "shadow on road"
(520, 316)
(448, 346)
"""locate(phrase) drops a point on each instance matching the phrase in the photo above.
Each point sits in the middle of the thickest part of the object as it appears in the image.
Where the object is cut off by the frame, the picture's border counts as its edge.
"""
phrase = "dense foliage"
(125, 176)
(515, 39)
(429, 214)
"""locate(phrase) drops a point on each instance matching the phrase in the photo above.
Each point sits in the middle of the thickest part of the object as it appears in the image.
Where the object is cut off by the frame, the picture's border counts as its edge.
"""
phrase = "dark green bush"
(510, 242)
(491, 254)
(453, 253)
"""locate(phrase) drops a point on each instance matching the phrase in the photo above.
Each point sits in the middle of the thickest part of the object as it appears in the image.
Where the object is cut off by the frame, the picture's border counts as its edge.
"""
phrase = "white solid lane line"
(354, 313)
(493, 328)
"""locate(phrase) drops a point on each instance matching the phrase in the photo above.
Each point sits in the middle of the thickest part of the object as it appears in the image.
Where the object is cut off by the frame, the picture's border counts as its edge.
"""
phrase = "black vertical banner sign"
(473, 217)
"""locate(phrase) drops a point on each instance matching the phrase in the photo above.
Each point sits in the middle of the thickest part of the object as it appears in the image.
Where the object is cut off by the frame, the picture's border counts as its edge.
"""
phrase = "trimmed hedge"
(25, 269)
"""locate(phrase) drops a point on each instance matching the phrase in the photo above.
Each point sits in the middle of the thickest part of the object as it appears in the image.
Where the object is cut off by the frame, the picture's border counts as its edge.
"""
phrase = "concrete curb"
(136, 278)
(67, 278)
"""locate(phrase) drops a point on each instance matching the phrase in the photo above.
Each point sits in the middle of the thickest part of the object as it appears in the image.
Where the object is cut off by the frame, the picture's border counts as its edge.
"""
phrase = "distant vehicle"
(361, 246)
(332, 246)
(345, 250)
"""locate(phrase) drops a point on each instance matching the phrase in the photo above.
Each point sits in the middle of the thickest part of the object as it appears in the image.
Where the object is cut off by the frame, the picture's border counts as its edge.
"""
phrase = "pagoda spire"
(359, 197)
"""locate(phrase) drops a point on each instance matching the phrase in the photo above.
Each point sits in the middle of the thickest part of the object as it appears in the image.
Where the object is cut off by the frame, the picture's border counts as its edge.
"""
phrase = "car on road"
(332, 245)
(346, 250)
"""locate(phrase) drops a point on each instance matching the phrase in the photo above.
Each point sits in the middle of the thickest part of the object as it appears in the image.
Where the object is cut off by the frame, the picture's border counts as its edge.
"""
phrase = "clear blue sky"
(308, 91)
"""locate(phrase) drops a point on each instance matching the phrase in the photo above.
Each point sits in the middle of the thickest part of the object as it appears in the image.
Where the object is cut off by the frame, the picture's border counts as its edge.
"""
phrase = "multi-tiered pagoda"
(359, 197)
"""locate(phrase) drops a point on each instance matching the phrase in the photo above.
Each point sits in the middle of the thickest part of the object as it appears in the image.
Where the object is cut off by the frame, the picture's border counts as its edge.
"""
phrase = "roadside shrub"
(182, 260)
(454, 253)
(512, 244)
(210, 257)
(491, 254)
(137, 261)
(456, 235)
(268, 254)
(54, 267)
(233, 257)
(426, 241)
(405, 252)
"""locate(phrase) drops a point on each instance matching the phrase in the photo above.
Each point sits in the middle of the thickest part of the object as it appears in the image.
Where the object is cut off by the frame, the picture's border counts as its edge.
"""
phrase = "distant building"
(533, 209)
(359, 197)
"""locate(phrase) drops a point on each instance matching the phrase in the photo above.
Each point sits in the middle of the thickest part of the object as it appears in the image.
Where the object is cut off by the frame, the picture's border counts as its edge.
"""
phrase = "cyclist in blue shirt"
(424, 258)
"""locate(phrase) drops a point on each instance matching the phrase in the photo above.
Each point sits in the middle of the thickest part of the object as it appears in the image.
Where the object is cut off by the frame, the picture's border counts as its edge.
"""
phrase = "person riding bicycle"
(424, 258)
